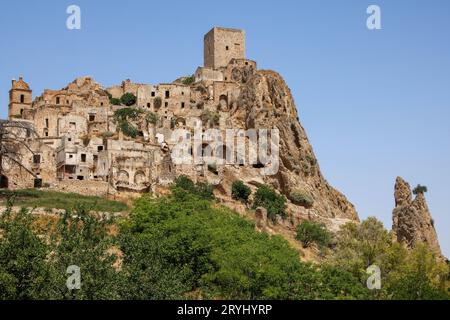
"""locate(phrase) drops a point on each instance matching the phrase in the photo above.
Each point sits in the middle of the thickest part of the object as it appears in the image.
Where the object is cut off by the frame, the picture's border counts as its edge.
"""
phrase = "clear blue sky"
(375, 104)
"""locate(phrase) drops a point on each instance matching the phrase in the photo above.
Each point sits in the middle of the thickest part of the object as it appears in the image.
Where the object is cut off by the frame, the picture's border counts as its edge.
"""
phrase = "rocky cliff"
(265, 101)
(412, 222)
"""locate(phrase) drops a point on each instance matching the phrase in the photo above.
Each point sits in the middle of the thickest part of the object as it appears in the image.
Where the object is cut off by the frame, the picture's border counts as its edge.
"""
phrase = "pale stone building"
(78, 137)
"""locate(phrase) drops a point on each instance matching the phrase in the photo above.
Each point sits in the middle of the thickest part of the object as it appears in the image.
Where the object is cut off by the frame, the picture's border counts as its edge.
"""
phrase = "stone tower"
(221, 45)
(20, 98)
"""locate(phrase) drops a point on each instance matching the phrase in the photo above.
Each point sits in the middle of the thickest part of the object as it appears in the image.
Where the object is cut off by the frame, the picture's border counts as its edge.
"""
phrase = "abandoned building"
(72, 137)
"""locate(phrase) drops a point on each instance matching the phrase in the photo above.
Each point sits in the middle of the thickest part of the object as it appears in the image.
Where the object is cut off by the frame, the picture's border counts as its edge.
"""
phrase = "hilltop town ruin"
(89, 139)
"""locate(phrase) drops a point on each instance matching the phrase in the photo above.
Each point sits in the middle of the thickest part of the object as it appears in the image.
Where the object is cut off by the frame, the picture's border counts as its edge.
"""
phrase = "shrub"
(152, 118)
(202, 190)
(420, 189)
(239, 191)
(157, 103)
(210, 117)
(309, 232)
(107, 134)
(114, 101)
(188, 80)
(275, 203)
(128, 99)
(173, 122)
(302, 197)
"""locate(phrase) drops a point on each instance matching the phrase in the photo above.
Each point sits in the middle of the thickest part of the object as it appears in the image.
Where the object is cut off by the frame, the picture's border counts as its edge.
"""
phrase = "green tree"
(115, 101)
(84, 240)
(152, 118)
(268, 198)
(128, 99)
(23, 271)
(309, 232)
(201, 189)
(239, 191)
(420, 189)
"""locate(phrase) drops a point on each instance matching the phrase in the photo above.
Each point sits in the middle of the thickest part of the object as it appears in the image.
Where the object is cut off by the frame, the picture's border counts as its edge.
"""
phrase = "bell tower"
(20, 99)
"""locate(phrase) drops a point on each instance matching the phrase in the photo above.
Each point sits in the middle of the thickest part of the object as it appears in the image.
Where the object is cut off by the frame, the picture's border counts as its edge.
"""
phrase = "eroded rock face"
(265, 101)
(411, 220)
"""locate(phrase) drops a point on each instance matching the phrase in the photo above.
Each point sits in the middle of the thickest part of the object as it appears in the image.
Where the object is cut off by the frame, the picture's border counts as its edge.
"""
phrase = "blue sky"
(375, 104)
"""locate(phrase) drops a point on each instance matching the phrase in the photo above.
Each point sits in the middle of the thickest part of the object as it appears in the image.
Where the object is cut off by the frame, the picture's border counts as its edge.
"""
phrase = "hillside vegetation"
(185, 245)
(31, 198)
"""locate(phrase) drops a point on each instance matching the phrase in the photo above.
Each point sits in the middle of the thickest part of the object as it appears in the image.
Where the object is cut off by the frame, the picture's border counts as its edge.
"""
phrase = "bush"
(309, 232)
(152, 118)
(420, 189)
(239, 191)
(115, 101)
(203, 190)
(107, 134)
(188, 80)
(275, 203)
(302, 197)
(128, 99)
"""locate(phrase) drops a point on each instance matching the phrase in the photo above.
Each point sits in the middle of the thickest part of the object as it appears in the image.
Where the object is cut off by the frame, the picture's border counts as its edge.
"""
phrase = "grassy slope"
(60, 200)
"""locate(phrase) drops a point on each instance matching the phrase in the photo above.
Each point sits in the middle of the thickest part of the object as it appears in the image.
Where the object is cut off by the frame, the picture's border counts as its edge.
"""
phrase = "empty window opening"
(182, 105)
(83, 157)
(167, 94)
(148, 105)
(95, 157)
(92, 117)
(100, 148)
(57, 100)
(226, 48)
(70, 156)
(80, 178)
(166, 104)
(38, 183)
(21, 112)
(22, 98)
(153, 93)
(37, 158)
(46, 123)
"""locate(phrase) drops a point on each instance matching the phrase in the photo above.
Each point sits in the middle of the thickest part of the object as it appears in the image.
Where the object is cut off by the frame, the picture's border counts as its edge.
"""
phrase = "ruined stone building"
(76, 135)
(82, 138)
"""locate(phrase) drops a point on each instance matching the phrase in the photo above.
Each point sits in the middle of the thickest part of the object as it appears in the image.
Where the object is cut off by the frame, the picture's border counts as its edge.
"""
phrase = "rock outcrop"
(411, 221)
(265, 101)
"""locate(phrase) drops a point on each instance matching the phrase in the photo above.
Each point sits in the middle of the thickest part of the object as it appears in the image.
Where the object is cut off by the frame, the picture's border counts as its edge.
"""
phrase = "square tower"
(20, 98)
(221, 45)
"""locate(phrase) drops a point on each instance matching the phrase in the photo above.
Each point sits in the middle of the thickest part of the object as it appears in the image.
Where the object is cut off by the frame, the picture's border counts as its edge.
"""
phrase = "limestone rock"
(265, 101)
(411, 220)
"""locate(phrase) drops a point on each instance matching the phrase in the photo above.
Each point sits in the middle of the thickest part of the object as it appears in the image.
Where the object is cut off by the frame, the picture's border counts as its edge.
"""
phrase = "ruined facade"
(77, 136)
(85, 137)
